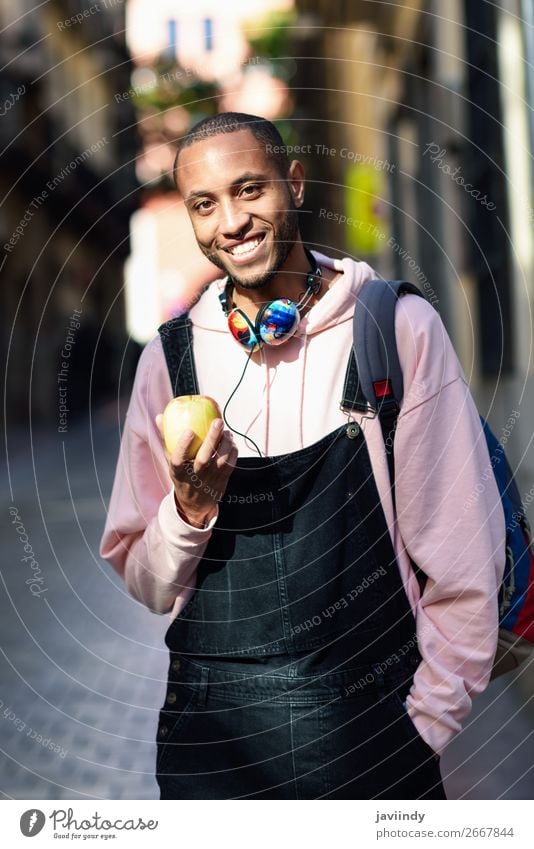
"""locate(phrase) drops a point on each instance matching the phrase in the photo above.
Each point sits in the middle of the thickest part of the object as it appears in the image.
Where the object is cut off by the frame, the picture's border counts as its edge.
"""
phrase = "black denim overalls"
(290, 663)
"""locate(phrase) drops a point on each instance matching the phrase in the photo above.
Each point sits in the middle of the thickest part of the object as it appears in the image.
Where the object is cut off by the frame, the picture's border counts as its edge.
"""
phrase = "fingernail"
(218, 424)
(187, 435)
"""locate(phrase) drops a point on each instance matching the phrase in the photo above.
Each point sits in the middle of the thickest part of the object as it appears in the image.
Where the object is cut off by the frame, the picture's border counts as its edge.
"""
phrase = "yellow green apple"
(188, 412)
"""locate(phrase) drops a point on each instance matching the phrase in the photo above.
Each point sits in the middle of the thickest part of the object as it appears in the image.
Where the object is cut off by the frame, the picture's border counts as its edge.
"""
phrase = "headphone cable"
(230, 398)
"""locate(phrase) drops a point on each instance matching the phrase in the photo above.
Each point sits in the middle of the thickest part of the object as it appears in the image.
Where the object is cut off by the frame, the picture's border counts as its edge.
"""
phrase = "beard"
(284, 243)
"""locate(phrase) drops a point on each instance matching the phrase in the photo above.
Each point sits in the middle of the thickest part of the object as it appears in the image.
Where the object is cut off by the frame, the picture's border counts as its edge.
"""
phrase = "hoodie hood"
(335, 306)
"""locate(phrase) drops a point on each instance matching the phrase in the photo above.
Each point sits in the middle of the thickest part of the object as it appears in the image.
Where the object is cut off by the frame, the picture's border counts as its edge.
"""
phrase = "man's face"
(243, 210)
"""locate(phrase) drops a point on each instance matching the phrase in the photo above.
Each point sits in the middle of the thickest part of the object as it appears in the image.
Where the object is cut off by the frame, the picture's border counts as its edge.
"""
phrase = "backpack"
(381, 380)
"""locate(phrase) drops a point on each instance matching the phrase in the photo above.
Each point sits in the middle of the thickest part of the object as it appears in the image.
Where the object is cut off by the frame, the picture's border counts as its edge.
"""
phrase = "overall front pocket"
(411, 727)
(174, 717)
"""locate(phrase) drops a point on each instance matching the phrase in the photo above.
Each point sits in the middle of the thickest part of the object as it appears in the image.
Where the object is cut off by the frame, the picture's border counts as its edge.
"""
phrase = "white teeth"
(245, 247)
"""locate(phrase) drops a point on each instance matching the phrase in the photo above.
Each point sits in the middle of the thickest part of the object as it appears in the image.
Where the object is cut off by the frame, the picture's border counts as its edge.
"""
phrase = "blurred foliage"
(176, 87)
(269, 43)
(271, 37)
(288, 131)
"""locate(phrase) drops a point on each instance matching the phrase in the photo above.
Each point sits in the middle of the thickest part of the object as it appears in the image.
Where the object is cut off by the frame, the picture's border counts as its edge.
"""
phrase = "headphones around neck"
(276, 321)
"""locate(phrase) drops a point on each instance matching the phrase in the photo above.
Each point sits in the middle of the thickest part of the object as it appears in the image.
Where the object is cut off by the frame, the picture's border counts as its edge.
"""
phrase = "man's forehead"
(224, 155)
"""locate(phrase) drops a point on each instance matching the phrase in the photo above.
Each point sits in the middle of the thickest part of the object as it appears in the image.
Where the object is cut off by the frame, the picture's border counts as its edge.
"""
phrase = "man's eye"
(203, 206)
(251, 189)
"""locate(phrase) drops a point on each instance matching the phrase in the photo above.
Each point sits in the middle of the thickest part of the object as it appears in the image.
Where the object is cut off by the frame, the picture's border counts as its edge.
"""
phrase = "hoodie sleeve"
(451, 521)
(146, 541)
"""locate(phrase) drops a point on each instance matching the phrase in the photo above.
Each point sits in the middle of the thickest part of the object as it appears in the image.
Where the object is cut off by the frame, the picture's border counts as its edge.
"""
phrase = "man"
(303, 661)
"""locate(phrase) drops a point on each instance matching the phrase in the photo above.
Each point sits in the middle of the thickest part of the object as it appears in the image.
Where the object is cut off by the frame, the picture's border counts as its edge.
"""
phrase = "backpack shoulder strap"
(376, 355)
(377, 361)
(177, 341)
(375, 346)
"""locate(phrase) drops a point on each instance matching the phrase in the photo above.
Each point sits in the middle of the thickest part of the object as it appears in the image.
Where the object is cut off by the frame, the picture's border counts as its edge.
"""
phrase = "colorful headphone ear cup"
(242, 329)
(277, 321)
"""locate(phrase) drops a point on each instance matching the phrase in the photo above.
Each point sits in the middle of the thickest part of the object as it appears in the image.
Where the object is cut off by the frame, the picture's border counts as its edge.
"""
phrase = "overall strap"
(177, 341)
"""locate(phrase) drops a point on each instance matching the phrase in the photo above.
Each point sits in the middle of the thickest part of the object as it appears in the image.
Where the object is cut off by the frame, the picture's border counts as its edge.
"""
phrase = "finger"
(224, 445)
(213, 462)
(179, 455)
(225, 453)
(232, 460)
(225, 470)
(210, 443)
(159, 423)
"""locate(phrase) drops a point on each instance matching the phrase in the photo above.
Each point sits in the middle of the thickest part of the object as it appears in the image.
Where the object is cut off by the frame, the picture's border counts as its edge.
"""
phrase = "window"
(172, 31)
(208, 34)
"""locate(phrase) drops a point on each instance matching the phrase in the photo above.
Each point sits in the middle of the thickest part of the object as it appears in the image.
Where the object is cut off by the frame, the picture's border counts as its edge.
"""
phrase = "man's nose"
(234, 221)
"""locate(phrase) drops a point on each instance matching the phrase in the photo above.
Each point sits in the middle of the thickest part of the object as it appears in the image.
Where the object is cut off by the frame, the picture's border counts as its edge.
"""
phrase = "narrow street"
(83, 665)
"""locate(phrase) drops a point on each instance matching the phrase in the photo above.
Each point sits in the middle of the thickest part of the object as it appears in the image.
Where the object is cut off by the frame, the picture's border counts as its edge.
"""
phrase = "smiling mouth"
(245, 248)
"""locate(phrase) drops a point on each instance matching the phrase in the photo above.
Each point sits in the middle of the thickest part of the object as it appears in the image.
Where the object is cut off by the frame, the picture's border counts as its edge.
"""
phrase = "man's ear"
(296, 182)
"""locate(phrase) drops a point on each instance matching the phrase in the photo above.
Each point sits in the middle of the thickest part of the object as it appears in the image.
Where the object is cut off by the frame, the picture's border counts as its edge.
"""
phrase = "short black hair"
(232, 122)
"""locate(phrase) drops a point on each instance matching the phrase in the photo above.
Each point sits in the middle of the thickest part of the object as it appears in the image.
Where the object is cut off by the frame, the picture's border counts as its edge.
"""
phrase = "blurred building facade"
(438, 104)
(68, 187)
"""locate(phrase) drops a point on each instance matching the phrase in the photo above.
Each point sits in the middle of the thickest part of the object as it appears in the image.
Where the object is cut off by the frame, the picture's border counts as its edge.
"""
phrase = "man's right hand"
(200, 483)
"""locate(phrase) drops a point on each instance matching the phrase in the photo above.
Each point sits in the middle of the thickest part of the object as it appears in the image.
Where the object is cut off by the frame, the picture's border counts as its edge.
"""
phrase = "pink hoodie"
(289, 399)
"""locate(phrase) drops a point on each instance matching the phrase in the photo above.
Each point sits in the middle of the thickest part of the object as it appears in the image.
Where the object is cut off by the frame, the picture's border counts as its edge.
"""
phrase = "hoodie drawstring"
(302, 376)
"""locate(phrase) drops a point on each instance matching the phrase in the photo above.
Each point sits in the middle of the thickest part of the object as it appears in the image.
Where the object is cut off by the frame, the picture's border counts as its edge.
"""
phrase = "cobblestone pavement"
(83, 665)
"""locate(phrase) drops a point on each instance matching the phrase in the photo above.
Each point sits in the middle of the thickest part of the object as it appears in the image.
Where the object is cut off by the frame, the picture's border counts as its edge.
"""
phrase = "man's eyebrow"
(243, 178)
(250, 175)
